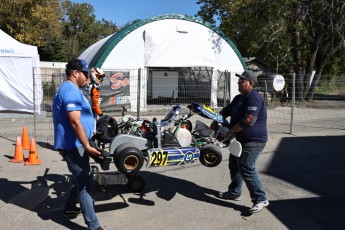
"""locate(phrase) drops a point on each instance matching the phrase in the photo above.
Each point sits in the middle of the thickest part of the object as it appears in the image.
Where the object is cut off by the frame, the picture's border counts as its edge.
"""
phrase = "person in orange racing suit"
(97, 76)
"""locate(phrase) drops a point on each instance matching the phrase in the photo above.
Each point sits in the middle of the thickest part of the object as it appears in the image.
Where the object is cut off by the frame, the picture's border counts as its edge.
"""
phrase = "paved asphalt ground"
(303, 175)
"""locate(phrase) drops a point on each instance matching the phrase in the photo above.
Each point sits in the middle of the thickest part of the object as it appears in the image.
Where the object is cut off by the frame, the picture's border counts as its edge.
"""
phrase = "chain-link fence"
(148, 93)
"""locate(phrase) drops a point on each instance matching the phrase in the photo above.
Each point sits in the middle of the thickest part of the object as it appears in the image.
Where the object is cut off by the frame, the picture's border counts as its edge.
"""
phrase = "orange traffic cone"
(25, 140)
(33, 157)
(18, 152)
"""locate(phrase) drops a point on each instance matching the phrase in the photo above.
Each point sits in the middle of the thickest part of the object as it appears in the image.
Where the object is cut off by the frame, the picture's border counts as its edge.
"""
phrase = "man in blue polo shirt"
(248, 124)
(74, 125)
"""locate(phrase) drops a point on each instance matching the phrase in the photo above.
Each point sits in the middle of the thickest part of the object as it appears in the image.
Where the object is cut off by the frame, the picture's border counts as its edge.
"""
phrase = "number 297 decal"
(159, 158)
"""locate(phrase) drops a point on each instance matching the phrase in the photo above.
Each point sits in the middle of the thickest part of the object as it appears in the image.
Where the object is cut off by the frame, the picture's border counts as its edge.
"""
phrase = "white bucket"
(235, 148)
(184, 137)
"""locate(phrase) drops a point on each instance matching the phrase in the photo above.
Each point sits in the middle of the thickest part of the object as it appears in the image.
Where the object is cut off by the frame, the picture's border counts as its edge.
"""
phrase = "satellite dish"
(278, 82)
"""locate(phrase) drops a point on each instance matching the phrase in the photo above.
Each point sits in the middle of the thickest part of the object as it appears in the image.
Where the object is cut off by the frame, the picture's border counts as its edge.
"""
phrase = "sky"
(121, 12)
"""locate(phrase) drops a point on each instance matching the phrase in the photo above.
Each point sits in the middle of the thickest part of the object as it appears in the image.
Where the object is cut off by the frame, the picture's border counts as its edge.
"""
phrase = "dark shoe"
(71, 213)
(259, 206)
(228, 196)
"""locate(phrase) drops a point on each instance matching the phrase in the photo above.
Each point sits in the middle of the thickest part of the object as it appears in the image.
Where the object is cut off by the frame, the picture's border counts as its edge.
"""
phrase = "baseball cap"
(247, 75)
(78, 64)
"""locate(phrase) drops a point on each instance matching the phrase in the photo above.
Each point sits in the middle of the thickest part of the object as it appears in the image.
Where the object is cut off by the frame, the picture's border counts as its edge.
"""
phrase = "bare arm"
(214, 125)
(231, 133)
(74, 118)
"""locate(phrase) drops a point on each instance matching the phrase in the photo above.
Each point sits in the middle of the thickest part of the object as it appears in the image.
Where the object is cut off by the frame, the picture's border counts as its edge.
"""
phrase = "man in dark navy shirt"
(248, 124)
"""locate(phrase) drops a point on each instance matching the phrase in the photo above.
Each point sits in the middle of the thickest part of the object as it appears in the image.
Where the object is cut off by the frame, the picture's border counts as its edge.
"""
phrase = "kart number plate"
(158, 158)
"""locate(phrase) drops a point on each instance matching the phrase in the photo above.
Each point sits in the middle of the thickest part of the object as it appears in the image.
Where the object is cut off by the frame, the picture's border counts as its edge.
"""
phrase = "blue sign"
(7, 51)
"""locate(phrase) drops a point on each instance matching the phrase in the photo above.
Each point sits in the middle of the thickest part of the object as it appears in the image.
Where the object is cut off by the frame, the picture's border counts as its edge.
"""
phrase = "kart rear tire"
(210, 155)
(122, 147)
(136, 183)
(128, 158)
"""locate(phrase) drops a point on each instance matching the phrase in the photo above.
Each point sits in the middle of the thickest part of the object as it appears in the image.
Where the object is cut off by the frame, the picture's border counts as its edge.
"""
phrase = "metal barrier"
(148, 93)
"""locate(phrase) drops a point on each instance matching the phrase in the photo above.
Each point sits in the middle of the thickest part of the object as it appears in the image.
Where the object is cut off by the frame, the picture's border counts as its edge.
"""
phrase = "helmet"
(97, 74)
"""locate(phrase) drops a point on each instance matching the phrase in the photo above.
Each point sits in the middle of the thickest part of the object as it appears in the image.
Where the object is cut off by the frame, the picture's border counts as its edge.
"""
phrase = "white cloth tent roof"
(166, 41)
(18, 62)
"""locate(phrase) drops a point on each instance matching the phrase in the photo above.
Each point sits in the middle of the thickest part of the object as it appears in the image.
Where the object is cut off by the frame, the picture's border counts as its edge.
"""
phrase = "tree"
(60, 31)
(325, 28)
(81, 29)
(34, 22)
(53, 51)
(305, 34)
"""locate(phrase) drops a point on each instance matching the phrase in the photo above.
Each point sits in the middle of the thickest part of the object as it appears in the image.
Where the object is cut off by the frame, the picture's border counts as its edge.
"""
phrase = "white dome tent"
(167, 41)
(19, 91)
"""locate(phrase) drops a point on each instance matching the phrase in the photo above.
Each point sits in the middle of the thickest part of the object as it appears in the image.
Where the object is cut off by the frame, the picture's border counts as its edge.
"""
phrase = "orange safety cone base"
(37, 162)
(33, 156)
(16, 161)
(18, 152)
(25, 140)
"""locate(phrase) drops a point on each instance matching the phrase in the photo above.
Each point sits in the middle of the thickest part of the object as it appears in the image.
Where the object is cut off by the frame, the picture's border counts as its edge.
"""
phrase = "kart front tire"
(128, 158)
(210, 155)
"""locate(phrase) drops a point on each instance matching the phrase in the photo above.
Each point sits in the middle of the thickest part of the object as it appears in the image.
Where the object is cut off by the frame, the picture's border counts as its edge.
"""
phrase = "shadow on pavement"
(46, 195)
(165, 188)
(46, 200)
(315, 164)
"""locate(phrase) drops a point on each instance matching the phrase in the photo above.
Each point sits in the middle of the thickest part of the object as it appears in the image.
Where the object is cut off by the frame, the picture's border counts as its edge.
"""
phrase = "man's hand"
(214, 126)
(229, 135)
(93, 151)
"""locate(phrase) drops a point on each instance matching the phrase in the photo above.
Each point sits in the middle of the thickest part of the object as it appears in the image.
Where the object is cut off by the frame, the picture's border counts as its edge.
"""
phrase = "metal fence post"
(225, 88)
(34, 99)
(266, 92)
(138, 94)
(293, 101)
(229, 85)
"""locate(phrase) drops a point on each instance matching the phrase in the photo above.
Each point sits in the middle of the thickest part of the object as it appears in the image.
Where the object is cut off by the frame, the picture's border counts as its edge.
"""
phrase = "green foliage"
(48, 90)
(256, 27)
(53, 51)
(61, 31)
(35, 22)
(301, 36)
(335, 85)
(81, 29)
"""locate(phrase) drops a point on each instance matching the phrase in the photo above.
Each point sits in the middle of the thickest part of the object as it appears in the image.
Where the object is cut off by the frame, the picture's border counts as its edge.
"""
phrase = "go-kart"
(158, 147)
(202, 134)
(128, 124)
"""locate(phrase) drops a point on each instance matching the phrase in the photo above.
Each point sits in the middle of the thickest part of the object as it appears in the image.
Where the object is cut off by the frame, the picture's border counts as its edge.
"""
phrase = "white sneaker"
(258, 206)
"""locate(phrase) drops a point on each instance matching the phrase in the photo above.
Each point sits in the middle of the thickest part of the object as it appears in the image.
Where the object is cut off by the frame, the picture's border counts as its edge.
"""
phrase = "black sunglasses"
(86, 74)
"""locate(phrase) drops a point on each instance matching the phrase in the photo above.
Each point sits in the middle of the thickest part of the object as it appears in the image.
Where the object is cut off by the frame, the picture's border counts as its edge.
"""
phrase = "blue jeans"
(243, 169)
(80, 187)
